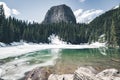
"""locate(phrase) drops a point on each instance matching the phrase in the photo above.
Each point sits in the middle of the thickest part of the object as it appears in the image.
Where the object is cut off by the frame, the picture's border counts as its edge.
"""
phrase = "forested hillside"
(108, 25)
(12, 29)
(105, 28)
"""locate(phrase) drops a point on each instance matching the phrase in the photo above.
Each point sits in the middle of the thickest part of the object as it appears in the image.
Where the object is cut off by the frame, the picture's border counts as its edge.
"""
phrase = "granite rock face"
(60, 13)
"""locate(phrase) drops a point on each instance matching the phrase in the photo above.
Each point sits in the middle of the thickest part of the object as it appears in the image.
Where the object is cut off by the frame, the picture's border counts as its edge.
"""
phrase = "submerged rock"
(38, 74)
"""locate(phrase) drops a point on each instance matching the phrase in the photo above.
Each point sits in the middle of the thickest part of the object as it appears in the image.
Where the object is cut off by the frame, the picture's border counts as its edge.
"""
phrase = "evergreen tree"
(2, 18)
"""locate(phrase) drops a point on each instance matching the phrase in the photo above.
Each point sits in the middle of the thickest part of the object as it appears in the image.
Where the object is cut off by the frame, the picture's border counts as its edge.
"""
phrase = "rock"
(85, 73)
(1, 79)
(38, 74)
(61, 77)
(82, 73)
(116, 60)
(109, 74)
(0, 72)
(60, 13)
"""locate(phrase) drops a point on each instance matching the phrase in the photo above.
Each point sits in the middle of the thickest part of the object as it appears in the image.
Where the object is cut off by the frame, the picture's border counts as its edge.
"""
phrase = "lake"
(63, 60)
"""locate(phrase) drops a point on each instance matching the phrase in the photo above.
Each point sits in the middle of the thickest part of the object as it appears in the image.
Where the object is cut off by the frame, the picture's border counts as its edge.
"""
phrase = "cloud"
(8, 11)
(14, 11)
(86, 16)
(82, 0)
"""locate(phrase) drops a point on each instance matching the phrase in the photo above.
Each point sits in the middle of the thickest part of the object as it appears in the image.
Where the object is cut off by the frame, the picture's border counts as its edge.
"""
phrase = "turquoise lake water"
(64, 60)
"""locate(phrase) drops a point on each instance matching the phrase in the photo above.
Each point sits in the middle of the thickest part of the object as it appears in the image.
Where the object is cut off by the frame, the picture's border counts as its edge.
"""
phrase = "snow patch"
(86, 16)
(116, 7)
(54, 39)
(8, 11)
(16, 69)
(24, 48)
(2, 44)
(19, 48)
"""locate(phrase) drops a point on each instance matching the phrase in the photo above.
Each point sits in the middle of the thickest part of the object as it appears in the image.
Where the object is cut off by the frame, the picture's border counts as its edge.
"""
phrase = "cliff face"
(60, 13)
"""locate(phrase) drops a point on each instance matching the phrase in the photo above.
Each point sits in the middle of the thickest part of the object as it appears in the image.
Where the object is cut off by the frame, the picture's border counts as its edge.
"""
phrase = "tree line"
(107, 24)
(12, 29)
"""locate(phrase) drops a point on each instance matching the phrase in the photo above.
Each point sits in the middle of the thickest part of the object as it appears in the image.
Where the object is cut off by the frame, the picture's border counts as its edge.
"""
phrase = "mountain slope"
(106, 24)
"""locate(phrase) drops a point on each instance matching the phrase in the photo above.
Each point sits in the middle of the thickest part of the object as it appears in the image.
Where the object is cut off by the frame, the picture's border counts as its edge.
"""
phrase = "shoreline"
(36, 47)
(24, 48)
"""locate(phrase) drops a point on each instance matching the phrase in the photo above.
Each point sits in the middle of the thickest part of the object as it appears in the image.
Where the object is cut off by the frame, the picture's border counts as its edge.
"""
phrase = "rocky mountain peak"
(60, 13)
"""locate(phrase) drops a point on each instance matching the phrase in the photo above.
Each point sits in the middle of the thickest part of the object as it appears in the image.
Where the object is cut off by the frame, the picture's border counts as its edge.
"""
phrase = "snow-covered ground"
(26, 48)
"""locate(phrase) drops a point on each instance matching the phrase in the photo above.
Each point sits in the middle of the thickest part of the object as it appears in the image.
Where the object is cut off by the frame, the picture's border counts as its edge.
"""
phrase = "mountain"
(14, 30)
(60, 13)
(106, 25)
(86, 16)
(104, 28)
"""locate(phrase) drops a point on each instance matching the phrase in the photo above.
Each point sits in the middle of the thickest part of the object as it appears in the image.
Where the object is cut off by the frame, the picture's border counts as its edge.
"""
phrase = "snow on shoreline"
(16, 72)
(24, 48)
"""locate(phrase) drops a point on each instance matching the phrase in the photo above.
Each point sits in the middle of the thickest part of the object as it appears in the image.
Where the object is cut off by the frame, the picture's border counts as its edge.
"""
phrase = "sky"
(35, 10)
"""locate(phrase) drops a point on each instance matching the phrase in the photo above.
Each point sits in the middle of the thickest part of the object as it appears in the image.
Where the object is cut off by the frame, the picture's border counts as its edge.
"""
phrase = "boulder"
(85, 73)
(82, 73)
(109, 74)
(38, 74)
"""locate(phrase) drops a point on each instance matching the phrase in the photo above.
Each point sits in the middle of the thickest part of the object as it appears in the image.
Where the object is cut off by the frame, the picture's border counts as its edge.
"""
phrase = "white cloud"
(82, 0)
(14, 11)
(8, 11)
(87, 16)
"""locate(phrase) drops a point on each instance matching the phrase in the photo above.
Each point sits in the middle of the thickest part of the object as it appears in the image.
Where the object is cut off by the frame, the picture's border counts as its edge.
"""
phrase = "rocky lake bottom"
(87, 64)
